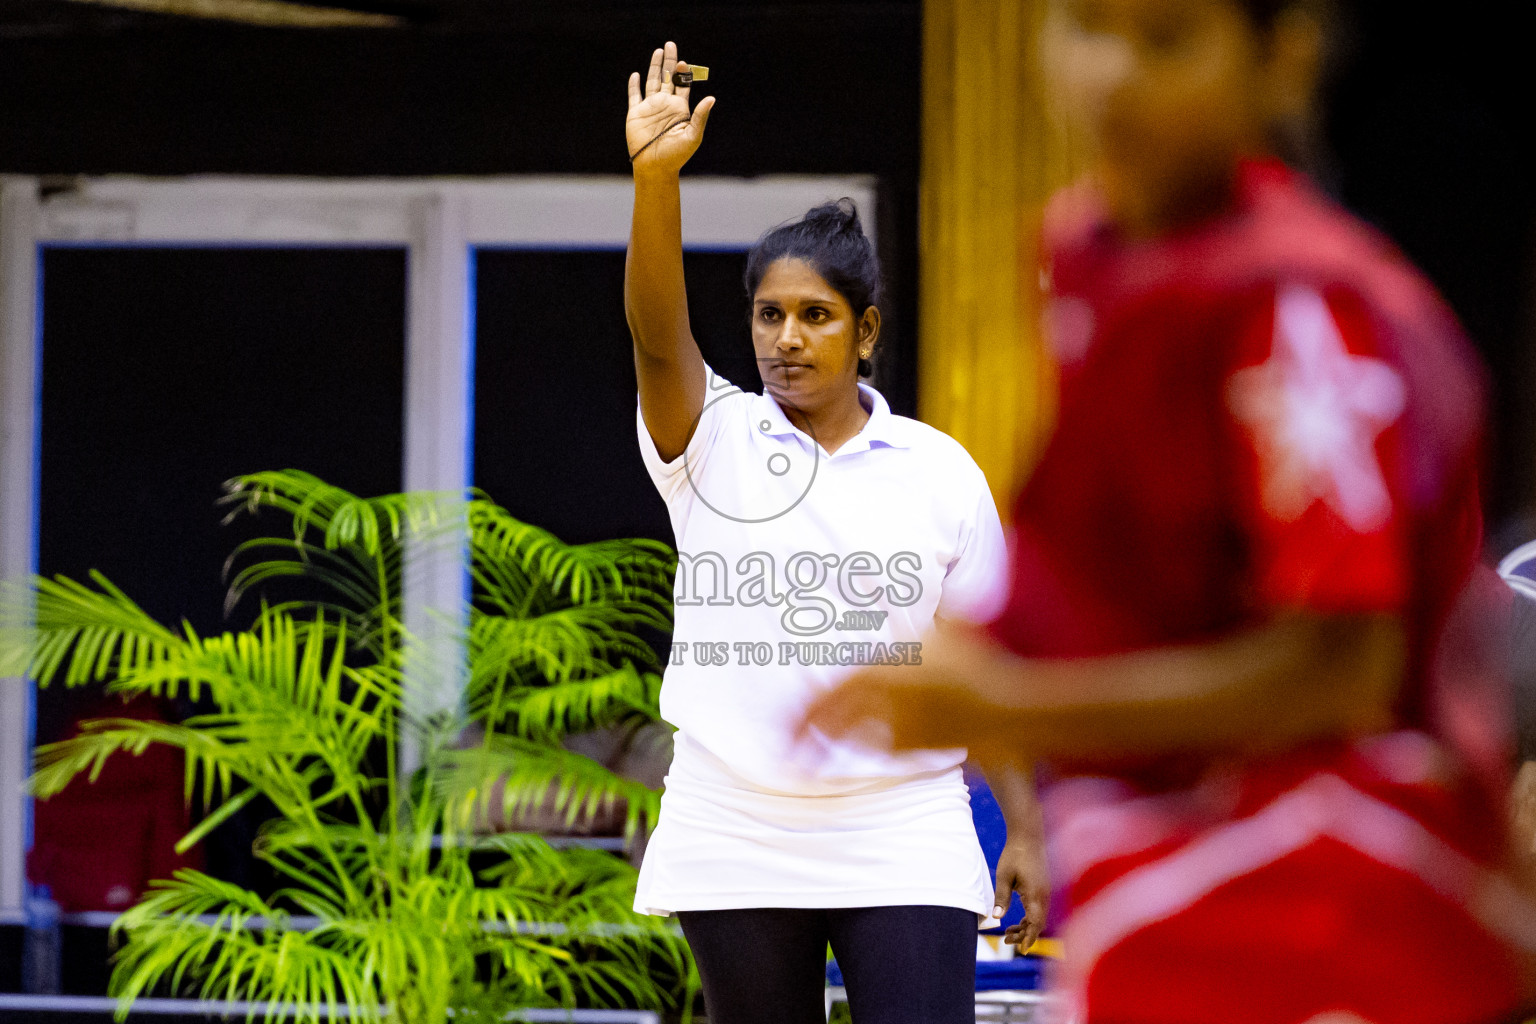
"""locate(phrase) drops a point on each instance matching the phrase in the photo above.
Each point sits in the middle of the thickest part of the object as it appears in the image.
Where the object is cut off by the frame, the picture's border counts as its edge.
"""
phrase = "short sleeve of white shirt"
(975, 584)
(720, 399)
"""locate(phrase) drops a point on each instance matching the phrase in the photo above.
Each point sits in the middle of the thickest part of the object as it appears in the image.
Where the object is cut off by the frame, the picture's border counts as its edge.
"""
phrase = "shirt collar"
(883, 429)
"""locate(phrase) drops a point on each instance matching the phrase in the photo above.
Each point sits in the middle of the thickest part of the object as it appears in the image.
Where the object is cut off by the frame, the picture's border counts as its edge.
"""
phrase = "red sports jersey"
(1269, 412)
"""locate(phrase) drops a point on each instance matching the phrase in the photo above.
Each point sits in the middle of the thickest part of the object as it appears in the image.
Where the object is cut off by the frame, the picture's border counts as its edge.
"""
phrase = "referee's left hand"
(1021, 868)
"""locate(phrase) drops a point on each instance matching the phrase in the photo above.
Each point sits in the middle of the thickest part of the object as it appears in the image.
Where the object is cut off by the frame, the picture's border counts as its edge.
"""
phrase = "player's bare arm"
(1297, 678)
(662, 134)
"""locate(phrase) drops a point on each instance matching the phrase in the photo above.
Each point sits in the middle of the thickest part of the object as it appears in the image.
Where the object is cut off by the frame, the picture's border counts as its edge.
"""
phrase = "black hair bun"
(839, 216)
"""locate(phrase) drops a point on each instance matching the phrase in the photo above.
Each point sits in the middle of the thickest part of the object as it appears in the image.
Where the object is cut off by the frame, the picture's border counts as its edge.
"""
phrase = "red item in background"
(97, 845)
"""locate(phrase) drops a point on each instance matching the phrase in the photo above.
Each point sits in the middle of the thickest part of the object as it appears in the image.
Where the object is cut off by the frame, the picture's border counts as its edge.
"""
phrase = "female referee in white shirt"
(816, 531)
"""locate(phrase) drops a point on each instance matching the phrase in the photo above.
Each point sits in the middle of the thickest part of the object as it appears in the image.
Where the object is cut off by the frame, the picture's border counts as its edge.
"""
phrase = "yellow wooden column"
(992, 153)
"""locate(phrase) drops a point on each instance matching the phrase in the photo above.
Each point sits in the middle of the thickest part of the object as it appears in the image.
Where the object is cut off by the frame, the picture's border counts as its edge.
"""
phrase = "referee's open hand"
(660, 130)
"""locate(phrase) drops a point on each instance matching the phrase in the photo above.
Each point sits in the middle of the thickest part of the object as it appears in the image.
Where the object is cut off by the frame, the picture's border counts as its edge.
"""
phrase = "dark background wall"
(1430, 134)
(1433, 137)
(1430, 128)
(464, 88)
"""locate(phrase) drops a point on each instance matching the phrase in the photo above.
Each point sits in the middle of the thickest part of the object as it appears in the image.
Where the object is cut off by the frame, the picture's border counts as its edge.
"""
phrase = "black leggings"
(901, 965)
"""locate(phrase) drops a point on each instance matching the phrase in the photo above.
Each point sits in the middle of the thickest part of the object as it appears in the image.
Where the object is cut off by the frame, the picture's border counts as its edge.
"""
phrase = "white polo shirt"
(796, 566)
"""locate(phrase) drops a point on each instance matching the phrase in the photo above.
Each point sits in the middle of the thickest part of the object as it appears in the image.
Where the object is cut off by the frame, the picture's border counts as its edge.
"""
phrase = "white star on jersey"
(1315, 411)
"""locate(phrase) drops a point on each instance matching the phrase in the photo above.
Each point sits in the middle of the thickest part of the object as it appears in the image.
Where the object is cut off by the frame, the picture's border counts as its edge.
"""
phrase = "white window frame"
(438, 221)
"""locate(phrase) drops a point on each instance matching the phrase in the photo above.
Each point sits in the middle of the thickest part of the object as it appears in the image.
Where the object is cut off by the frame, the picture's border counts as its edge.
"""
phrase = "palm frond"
(525, 775)
(555, 710)
(349, 577)
(580, 572)
(318, 858)
(195, 931)
(557, 645)
(342, 518)
(62, 629)
(57, 764)
(214, 766)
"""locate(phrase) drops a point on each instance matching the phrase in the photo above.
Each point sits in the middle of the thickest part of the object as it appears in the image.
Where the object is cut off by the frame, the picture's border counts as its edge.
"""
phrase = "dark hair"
(1264, 12)
(1301, 143)
(1330, 18)
(831, 239)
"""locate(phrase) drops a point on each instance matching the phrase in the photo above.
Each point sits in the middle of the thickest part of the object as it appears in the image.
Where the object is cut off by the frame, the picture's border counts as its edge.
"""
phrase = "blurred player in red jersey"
(1275, 769)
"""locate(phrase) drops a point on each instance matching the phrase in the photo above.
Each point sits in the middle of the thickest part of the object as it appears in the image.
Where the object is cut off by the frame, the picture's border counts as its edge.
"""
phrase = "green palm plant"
(393, 901)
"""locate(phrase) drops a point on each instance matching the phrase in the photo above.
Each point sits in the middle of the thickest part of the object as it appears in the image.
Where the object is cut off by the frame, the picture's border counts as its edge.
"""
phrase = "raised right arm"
(662, 135)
